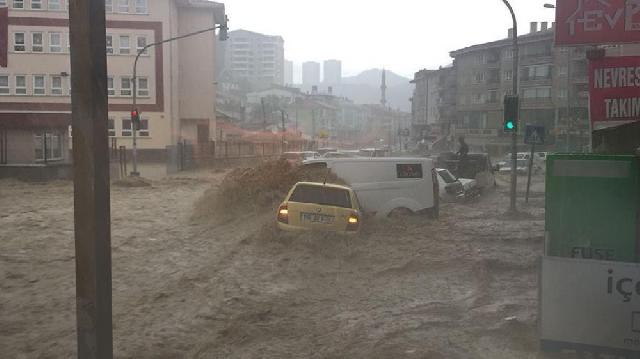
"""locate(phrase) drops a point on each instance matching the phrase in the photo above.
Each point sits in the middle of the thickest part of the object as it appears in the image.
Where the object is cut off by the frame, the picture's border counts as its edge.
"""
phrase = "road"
(464, 286)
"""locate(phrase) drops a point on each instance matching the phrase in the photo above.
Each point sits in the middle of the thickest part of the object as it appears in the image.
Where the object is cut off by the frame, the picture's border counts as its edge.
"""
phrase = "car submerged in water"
(320, 207)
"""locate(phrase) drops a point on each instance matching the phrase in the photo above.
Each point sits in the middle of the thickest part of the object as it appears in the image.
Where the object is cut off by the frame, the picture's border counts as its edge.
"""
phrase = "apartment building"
(433, 103)
(288, 73)
(175, 86)
(255, 59)
(332, 72)
(310, 74)
(553, 88)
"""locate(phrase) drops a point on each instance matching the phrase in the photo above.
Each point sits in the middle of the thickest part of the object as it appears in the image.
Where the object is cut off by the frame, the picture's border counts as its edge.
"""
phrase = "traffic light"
(511, 109)
(135, 118)
(224, 29)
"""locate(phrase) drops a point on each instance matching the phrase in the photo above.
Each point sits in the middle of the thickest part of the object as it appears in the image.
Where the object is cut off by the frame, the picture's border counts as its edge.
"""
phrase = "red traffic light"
(135, 115)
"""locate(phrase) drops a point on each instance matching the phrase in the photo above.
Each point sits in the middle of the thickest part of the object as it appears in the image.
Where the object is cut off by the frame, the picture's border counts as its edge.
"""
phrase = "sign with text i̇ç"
(590, 305)
(614, 89)
(581, 22)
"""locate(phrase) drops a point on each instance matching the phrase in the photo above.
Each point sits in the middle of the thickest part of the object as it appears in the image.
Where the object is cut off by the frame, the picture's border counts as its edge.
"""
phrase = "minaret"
(383, 89)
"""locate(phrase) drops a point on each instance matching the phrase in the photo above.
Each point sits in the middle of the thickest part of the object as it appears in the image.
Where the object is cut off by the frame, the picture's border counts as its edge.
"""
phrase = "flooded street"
(464, 286)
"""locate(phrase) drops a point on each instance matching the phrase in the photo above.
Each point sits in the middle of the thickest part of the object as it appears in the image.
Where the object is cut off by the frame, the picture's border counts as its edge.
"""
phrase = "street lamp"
(224, 27)
(568, 115)
(514, 134)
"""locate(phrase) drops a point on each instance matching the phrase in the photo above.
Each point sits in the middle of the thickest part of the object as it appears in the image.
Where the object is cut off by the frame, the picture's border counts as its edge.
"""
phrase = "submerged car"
(452, 188)
(319, 206)
(522, 167)
(296, 158)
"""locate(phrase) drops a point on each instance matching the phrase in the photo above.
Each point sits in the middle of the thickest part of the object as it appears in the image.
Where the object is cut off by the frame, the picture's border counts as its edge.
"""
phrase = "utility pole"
(568, 148)
(264, 115)
(283, 130)
(514, 134)
(92, 223)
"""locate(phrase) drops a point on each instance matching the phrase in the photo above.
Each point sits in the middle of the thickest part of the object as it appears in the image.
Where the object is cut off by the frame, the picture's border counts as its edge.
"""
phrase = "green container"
(592, 207)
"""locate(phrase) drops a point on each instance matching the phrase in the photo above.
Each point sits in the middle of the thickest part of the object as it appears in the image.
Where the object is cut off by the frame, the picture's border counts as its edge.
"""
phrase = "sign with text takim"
(614, 89)
(580, 22)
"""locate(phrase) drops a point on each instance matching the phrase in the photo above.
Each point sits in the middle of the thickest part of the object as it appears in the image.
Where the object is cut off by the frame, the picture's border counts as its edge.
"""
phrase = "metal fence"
(187, 156)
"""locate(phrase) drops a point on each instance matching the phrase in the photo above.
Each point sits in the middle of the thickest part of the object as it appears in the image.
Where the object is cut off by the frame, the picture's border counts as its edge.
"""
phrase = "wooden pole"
(92, 210)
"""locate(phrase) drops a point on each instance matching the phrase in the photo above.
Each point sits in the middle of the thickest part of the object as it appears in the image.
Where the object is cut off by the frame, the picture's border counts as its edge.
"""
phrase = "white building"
(255, 58)
(175, 91)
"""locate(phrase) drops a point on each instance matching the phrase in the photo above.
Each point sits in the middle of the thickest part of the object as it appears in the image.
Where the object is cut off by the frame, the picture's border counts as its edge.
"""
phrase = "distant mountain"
(364, 88)
(373, 77)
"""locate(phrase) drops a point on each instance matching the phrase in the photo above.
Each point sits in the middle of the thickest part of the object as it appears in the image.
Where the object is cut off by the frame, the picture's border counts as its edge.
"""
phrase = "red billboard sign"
(580, 22)
(614, 89)
(4, 35)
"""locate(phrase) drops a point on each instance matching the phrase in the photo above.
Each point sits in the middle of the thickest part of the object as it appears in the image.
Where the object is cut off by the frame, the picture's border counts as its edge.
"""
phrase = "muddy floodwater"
(463, 286)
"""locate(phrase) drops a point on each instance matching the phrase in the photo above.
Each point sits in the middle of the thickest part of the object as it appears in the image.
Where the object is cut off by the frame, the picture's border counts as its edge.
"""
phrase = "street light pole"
(223, 27)
(514, 134)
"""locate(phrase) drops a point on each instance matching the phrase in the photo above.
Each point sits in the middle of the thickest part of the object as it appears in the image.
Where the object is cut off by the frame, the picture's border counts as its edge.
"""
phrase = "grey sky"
(403, 35)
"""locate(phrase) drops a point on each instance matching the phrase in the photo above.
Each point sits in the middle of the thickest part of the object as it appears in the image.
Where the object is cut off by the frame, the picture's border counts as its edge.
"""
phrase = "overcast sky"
(401, 35)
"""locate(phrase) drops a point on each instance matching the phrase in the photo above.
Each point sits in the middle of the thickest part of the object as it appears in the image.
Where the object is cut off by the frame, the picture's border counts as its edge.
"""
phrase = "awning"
(34, 120)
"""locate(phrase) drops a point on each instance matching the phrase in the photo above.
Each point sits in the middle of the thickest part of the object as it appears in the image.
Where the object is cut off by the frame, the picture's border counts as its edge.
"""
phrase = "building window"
(141, 42)
(143, 87)
(508, 54)
(144, 128)
(124, 45)
(478, 78)
(111, 125)
(39, 85)
(492, 96)
(18, 4)
(141, 6)
(562, 70)
(54, 5)
(36, 42)
(56, 85)
(109, 44)
(55, 42)
(21, 85)
(48, 146)
(537, 93)
(108, 5)
(126, 128)
(36, 4)
(67, 41)
(562, 93)
(125, 86)
(18, 42)
(4, 84)
(110, 89)
(123, 6)
(537, 72)
(508, 75)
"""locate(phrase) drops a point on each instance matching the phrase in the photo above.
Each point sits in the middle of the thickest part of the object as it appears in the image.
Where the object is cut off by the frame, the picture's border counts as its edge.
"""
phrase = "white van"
(385, 185)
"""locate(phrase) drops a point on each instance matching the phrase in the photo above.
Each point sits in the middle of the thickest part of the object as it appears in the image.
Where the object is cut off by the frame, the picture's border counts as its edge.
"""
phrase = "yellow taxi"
(319, 206)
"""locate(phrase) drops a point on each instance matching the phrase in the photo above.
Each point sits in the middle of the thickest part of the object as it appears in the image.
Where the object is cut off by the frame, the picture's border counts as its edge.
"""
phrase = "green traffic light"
(510, 125)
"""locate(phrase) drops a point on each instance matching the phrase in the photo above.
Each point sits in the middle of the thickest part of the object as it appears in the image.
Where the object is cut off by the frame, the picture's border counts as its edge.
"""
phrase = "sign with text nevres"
(580, 22)
(590, 305)
(614, 89)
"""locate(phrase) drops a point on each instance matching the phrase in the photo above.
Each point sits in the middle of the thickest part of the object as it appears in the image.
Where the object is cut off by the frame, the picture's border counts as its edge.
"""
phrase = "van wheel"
(400, 212)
